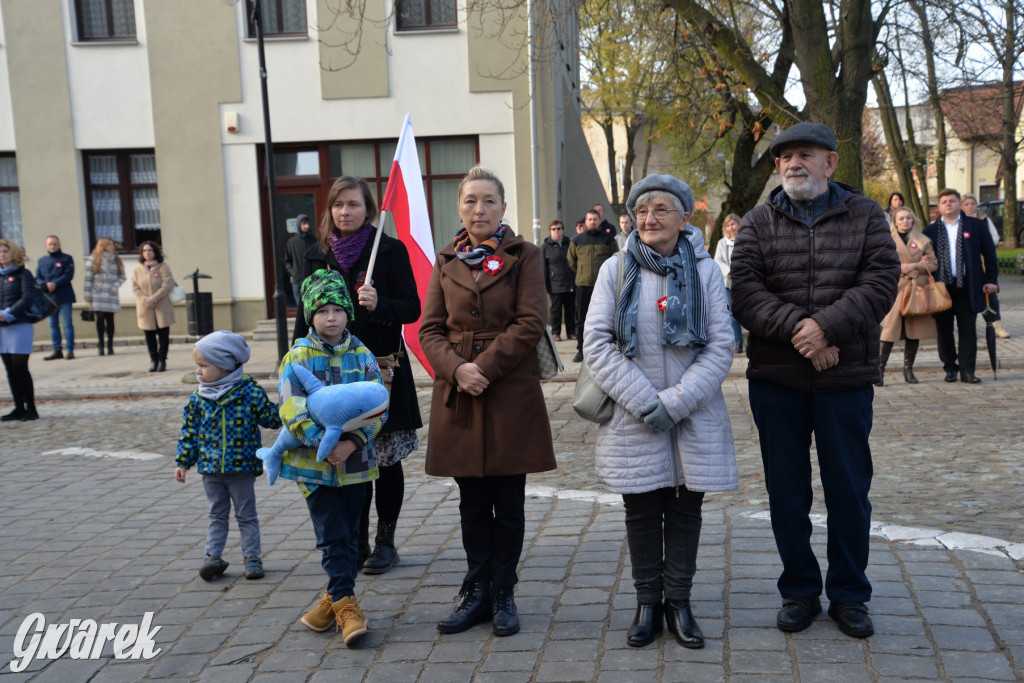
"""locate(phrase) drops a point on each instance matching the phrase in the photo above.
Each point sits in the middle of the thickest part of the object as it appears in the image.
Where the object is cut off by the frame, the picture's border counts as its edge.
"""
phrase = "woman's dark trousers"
(663, 531)
(105, 328)
(157, 342)
(493, 516)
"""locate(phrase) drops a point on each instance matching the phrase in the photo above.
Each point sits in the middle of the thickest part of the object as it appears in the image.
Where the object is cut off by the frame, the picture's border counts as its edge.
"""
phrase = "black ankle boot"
(647, 625)
(110, 348)
(682, 624)
(504, 614)
(384, 555)
(474, 608)
(14, 415)
(100, 347)
(883, 359)
(153, 366)
(161, 366)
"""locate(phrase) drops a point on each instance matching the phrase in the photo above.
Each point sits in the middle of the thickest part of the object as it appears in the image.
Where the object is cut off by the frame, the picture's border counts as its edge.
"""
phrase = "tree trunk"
(1011, 229)
(894, 140)
(608, 126)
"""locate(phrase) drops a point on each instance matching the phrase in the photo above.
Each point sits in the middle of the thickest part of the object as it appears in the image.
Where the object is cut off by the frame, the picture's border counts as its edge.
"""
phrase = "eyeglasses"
(660, 213)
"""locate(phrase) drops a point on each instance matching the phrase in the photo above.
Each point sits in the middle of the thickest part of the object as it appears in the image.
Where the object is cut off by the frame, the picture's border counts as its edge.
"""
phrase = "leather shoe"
(474, 608)
(797, 613)
(682, 625)
(647, 625)
(578, 358)
(505, 618)
(969, 378)
(57, 353)
(161, 366)
(852, 618)
(153, 366)
(951, 375)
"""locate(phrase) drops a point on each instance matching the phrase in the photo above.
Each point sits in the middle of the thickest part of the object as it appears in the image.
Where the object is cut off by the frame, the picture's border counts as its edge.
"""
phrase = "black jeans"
(963, 312)
(663, 532)
(564, 301)
(493, 516)
(105, 327)
(157, 342)
(583, 295)
(841, 424)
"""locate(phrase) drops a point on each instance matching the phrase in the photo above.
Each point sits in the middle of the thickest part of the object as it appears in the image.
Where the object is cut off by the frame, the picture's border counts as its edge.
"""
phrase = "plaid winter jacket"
(350, 361)
(222, 435)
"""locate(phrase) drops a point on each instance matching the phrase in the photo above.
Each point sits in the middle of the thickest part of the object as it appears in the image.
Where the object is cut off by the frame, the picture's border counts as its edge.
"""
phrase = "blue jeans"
(223, 490)
(297, 292)
(335, 511)
(737, 329)
(841, 423)
(64, 314)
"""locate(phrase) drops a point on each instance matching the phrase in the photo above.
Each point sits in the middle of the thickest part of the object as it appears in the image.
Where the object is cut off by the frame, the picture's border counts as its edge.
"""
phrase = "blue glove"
(656, 416)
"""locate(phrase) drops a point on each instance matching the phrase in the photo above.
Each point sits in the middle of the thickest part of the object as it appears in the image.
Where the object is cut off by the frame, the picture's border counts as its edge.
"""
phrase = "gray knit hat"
(224, 349)
(660, 183)
(806, 133)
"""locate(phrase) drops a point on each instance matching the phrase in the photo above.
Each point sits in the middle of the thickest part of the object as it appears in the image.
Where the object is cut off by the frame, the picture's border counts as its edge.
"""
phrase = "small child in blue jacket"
(220, 431)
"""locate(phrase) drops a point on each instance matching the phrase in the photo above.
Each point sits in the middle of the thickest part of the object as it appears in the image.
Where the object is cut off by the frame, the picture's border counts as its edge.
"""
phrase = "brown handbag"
(926, 300)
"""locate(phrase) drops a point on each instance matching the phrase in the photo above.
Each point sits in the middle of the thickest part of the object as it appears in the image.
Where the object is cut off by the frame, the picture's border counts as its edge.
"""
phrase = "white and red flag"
(405, 201)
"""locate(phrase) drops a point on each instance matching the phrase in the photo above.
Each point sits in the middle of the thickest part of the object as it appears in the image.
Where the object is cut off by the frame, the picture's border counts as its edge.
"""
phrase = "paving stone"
(986, 665)
(962, 638)
(902, 666)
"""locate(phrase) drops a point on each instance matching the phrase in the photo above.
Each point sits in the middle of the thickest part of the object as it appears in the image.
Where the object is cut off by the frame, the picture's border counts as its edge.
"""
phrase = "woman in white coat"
(661, 348)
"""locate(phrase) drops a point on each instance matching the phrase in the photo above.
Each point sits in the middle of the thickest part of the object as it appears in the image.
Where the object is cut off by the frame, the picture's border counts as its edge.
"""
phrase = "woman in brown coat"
(918, 260)
(484, 314)
(152, 283)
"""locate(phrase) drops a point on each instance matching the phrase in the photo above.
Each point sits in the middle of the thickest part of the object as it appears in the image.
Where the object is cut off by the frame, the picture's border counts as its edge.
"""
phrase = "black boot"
(474, 608)
(153, 365)
(161, 366)
(505, 616)
(909, 354)
(883, 358)
(647, 625)
(384, 555)
(682, 624)
(110, 346)
(100, 347)
(19, 402)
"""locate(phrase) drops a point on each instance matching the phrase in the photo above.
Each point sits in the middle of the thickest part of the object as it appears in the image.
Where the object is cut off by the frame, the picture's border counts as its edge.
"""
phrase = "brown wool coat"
(495, 322)
(918, 249)
(157, 284)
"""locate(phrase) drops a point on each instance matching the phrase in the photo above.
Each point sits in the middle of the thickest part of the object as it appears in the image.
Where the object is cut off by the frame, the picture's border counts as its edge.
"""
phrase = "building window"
(418, 15)
(121, 193)
(280, 17)
(10, 201)
(105, 19)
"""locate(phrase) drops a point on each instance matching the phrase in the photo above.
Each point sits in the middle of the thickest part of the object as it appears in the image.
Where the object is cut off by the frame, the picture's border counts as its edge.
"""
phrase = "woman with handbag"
(104, 273)
(918, 262)
(17, 293)
(152, 283)
(661, 347)
(345, 237)
(485, 311)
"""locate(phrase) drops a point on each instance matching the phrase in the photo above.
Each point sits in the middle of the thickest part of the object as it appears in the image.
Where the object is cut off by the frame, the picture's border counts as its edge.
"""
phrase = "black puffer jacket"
(17, 293)
(842, 272)
(558, 277)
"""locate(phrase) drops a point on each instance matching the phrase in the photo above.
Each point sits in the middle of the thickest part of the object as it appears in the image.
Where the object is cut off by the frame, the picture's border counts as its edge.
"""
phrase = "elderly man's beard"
(801, 186)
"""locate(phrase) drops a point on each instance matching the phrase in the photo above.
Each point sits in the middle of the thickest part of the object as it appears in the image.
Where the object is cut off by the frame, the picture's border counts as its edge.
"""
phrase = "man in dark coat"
(294, 249)
(558, 281)
(961, 242)
(54, 274)
(587, 251)
(814, 271)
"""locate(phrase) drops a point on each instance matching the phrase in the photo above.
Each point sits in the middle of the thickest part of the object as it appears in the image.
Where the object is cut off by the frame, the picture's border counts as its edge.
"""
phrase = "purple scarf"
(348, 249)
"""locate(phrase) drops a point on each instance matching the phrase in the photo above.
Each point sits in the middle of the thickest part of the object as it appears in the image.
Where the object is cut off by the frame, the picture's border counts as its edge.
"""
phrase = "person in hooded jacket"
(345, 237)
(661, 347)
(17, 294)
(294, 252)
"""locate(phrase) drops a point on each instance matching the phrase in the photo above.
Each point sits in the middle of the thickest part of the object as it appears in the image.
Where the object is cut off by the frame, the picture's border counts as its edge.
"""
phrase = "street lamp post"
(280, 304)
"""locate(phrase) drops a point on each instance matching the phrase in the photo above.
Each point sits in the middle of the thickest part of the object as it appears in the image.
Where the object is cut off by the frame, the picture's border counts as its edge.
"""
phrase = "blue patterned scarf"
(686, 316)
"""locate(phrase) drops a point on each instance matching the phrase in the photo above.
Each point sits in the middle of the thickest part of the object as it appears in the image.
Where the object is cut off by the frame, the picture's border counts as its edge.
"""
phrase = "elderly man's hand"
(990, 288)
(808, 338)
(829, 358)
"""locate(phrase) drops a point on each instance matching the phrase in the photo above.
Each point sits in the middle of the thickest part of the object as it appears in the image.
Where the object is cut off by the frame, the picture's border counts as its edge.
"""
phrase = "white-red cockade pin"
(492, 264)
(663, 303)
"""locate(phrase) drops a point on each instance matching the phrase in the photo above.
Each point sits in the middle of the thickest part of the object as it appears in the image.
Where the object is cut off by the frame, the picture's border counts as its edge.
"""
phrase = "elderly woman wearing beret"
(661, 348)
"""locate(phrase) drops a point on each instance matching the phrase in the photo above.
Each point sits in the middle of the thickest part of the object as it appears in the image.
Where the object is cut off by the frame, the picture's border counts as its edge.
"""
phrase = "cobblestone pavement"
(94, 528)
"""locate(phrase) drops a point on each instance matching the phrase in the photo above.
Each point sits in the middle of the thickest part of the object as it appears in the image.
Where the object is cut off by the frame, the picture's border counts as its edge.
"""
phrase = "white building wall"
(6, 109)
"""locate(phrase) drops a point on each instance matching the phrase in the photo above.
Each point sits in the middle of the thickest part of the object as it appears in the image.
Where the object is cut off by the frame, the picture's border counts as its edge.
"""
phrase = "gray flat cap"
(807, 133)
(660, 183)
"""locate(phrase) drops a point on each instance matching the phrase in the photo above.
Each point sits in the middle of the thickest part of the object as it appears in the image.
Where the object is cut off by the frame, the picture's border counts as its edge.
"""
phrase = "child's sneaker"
(212, 568)
(253, 567)
(320, 617)
(351, 620)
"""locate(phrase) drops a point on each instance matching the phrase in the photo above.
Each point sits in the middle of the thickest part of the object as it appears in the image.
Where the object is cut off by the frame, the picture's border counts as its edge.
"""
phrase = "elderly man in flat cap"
(814, 271)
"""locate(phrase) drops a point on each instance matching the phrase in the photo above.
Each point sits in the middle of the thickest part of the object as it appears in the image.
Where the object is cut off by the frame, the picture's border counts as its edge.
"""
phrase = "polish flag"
(405, 201)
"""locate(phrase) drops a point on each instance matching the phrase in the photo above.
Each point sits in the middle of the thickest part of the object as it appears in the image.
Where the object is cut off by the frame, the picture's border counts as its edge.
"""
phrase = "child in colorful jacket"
(331, 488)
(220, 433)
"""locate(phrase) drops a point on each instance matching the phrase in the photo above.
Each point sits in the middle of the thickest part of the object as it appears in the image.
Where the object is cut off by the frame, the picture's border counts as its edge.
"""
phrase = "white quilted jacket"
(698, 452)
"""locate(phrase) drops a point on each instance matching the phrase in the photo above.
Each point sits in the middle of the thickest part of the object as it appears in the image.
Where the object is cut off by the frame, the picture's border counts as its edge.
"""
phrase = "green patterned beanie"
(325, 287)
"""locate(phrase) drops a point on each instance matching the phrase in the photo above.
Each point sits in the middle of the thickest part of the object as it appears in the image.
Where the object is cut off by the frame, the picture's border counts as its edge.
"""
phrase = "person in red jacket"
(814, 271)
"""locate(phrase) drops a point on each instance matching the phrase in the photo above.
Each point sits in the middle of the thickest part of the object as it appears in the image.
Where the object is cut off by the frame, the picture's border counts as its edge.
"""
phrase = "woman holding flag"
(484, 313)
(383, 304)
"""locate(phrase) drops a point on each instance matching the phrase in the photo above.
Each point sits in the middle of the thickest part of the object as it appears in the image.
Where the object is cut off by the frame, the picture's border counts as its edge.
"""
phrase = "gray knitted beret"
(660, 183)
(224, 349)
(805, 132)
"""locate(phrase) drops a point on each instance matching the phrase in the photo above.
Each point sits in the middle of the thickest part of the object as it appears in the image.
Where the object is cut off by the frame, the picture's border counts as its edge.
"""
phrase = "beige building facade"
(143, 119)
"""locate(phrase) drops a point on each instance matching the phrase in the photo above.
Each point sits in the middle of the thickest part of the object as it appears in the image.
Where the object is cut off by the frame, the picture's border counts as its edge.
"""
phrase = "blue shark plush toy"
(338, 408)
